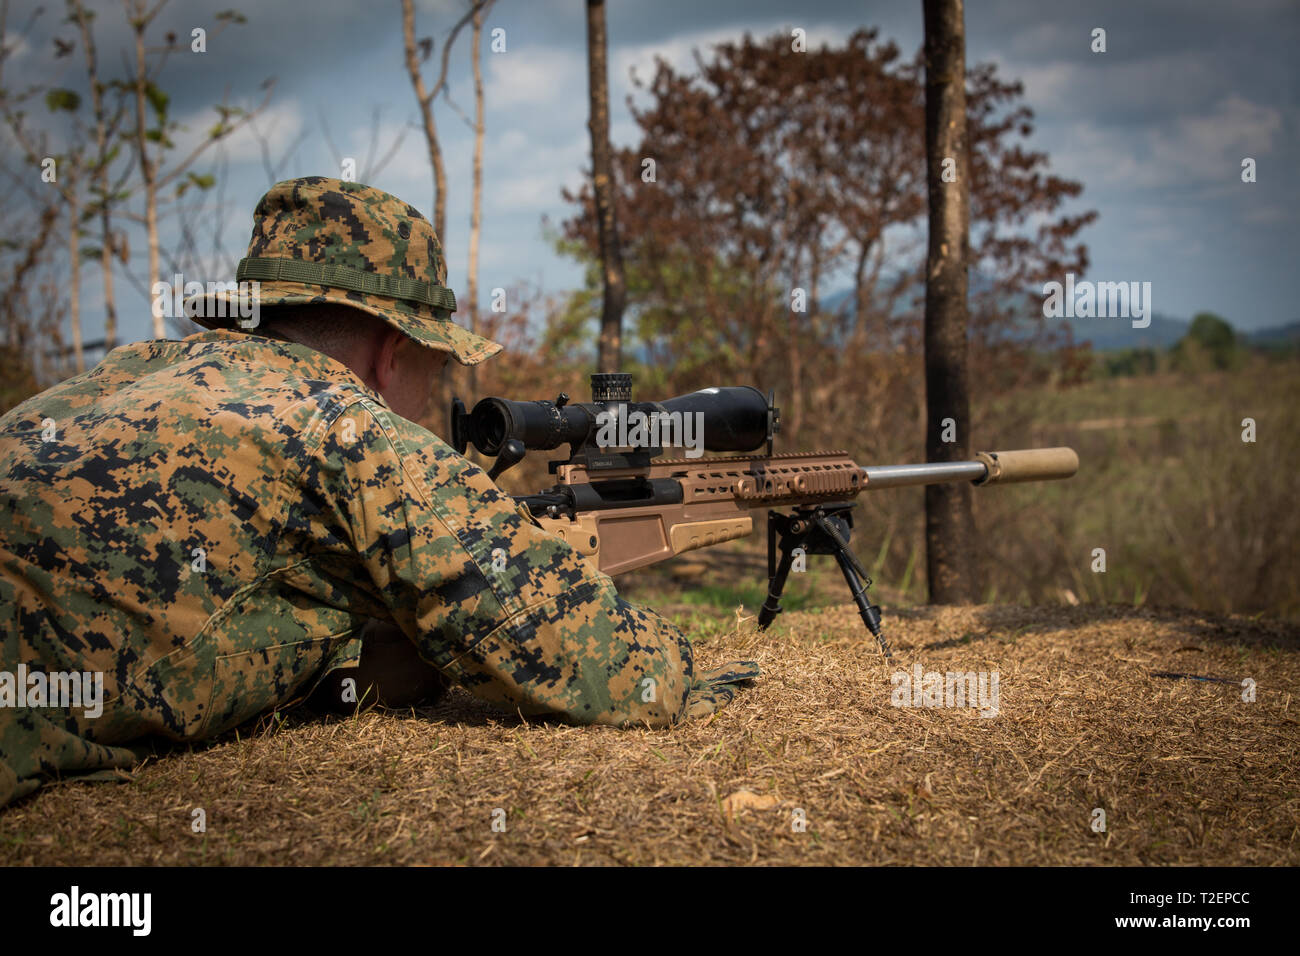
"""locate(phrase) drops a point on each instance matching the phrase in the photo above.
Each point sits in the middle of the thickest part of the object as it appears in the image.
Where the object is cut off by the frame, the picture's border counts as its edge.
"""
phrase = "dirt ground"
(1090, 759)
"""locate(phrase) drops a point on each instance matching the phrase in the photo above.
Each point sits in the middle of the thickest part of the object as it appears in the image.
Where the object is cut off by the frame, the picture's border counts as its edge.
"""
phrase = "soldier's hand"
(714, 689)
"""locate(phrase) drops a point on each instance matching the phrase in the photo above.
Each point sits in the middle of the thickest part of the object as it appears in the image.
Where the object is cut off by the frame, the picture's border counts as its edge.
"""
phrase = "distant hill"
(1164, 332)
(1277, 336)
(1110, 334)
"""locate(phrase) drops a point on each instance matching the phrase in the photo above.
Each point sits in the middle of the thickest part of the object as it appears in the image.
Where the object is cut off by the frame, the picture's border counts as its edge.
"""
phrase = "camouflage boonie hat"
(318, 240)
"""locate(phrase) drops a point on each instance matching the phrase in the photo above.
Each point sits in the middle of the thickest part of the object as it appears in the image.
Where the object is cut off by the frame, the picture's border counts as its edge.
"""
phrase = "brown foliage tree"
(777, 171)
(782, 177)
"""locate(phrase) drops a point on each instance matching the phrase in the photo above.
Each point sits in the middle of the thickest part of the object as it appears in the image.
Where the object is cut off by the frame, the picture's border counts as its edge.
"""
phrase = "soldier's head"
(388, 360)
(359, 275)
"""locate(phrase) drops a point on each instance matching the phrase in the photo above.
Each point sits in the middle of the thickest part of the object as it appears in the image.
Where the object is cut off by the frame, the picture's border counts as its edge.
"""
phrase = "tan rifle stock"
(718, 496)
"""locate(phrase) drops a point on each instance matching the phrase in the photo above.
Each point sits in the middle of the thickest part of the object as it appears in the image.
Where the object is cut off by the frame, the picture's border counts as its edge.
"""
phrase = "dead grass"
(1186, 772)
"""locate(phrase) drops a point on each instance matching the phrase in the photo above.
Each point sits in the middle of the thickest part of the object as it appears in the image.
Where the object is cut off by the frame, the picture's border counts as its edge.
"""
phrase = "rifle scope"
(733, 419)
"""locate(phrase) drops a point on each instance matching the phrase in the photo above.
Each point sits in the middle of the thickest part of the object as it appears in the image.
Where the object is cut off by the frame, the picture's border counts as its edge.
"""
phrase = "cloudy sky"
(1155, 128)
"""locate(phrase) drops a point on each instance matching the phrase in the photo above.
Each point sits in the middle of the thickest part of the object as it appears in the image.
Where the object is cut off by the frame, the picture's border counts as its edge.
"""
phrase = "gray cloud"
(1154, 128)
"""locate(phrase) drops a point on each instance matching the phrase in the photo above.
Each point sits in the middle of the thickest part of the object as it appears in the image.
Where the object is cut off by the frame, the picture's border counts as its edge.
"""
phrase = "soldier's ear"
(440, 361)
(387, 358)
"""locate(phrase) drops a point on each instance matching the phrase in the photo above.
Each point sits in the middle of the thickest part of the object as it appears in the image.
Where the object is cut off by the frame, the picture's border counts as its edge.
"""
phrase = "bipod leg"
(776, 573)
(834, 522)
(869, 612)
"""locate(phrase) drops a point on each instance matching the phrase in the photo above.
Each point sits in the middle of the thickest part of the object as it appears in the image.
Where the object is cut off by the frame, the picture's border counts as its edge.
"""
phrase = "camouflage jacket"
(209, 522)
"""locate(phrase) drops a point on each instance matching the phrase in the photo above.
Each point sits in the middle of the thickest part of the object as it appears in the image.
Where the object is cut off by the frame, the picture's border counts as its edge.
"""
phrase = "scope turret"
(611, 387)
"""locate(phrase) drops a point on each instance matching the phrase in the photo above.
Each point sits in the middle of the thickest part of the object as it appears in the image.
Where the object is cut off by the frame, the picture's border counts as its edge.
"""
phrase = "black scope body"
(734, 418)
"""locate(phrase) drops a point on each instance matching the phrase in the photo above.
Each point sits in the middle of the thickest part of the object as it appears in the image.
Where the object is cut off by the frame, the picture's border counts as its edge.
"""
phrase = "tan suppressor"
(1035, 464)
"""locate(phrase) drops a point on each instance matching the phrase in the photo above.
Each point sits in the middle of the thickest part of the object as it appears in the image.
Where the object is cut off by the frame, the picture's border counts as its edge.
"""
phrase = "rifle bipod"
(817, 529)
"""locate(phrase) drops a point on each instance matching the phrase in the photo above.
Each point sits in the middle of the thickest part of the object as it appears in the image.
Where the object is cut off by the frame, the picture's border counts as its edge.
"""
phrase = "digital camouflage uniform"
(210, 522)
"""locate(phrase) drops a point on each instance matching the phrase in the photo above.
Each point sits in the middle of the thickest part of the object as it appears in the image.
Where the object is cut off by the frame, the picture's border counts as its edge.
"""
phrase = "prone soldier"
(210, 525)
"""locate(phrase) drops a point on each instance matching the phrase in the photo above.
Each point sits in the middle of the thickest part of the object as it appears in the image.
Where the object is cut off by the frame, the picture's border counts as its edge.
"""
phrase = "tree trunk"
(147, 168)
(106, 267)
(949, 527)
(74, 276)
(476, 199)
(609, 356)
(102, 147)
(424, 97)
(439, 184)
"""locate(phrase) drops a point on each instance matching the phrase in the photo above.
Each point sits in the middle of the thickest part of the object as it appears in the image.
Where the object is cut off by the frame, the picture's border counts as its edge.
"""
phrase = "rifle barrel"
(991, 467)
(929, 473)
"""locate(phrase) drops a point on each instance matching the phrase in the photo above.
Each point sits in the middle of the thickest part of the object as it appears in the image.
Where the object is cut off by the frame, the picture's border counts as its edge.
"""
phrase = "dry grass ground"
(1186, 772)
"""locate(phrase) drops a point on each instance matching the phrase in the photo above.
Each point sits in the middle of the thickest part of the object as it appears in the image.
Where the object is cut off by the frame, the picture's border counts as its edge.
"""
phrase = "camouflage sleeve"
(505, 609)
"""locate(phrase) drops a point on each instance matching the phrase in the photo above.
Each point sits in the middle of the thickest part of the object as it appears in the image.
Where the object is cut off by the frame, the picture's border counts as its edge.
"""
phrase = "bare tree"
(374, 163)
(67, 171)
(610, 352)
(31, 303)
(425, 95)
(274, 167)
(949, 526)
(83, 170)
(74, 273)
(476, 200)
(106, 122)
(140, 19)
(154, 178)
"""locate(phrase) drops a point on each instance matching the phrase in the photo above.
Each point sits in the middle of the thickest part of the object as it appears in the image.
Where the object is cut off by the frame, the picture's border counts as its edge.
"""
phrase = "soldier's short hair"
(326, 327)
